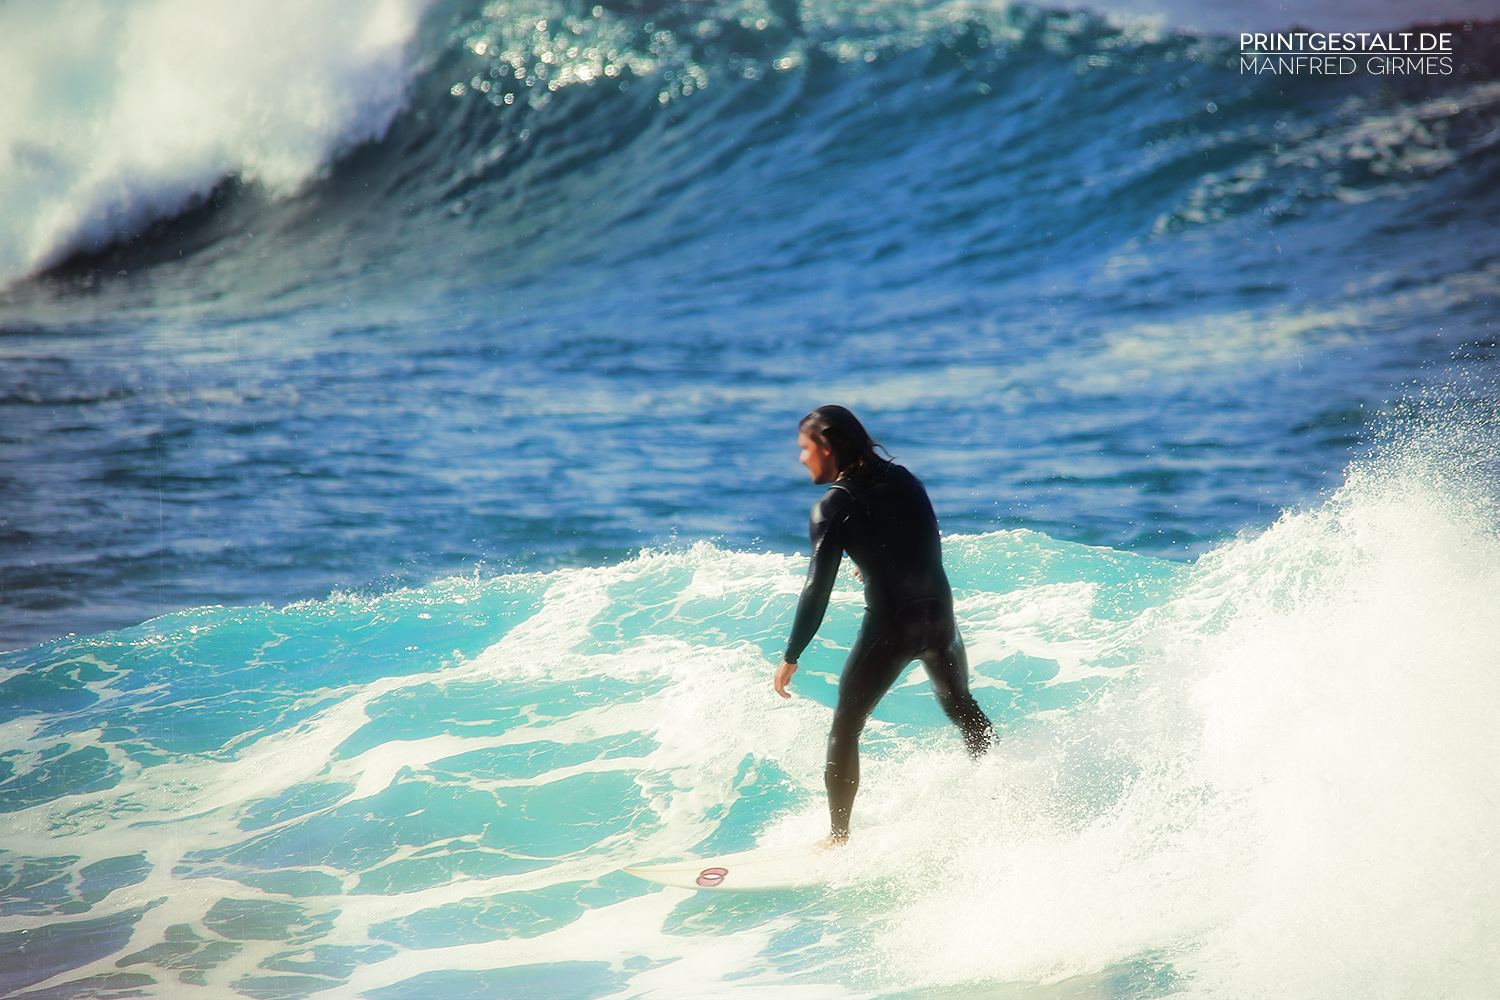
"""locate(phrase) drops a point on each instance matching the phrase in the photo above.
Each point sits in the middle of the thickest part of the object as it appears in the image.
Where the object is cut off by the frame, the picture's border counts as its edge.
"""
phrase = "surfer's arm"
(823, 568)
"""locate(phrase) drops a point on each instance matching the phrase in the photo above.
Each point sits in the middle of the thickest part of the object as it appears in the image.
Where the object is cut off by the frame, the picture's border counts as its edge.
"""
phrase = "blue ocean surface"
(400, 516)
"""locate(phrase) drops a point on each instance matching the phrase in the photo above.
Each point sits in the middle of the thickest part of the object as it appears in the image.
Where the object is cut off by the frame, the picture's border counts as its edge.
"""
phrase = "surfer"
(878, 512)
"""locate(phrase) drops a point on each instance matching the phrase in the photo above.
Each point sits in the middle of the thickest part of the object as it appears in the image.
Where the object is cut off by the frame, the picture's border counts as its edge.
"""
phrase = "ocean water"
(399, 513)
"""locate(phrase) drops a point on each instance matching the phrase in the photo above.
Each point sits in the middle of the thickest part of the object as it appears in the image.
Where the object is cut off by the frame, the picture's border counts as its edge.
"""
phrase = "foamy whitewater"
(400, 517)
(1266, 774)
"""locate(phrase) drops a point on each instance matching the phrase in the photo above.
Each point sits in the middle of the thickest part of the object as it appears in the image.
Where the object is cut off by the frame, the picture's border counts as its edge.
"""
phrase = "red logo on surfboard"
(710, 877)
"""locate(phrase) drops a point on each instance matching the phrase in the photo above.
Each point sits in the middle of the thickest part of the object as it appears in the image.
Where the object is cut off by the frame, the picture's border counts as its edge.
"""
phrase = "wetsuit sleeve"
(827, 550)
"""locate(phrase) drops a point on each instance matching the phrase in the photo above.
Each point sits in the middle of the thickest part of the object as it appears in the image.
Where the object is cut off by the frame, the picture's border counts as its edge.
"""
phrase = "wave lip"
(118, 115)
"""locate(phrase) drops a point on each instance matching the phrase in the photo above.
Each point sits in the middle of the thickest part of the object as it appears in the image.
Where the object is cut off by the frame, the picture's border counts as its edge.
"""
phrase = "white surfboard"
(763, 870)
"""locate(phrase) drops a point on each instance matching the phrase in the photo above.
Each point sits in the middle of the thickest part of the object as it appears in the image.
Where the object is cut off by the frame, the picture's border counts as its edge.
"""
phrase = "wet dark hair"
(840, 431)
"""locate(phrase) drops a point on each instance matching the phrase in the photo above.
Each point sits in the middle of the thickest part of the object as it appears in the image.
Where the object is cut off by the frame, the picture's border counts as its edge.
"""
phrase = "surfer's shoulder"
(833, 501)
(902, 479)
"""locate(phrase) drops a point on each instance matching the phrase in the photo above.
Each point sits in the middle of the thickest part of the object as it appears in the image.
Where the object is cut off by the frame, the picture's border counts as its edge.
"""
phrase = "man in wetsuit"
(878, 512)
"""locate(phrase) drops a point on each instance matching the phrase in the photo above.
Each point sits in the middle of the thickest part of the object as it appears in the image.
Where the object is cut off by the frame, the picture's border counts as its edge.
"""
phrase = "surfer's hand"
(783, 676)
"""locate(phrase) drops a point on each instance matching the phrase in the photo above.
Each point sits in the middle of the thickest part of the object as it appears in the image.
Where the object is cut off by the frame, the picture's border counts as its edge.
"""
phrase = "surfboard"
(765, 870)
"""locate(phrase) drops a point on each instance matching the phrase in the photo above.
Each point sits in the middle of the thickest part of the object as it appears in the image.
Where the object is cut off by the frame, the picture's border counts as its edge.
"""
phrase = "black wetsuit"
(887, 526)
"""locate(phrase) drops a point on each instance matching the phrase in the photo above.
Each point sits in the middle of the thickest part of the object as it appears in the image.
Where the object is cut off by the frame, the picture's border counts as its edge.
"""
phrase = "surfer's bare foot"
(830, 842)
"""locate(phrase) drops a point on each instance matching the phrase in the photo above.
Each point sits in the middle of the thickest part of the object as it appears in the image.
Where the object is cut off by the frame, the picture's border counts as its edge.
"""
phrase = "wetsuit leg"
(948, 667)
(875, 662)
(924, 631)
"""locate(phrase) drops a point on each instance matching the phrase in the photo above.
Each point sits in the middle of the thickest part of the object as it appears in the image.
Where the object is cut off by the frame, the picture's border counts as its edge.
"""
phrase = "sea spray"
(1353, 706)
(1300, 772)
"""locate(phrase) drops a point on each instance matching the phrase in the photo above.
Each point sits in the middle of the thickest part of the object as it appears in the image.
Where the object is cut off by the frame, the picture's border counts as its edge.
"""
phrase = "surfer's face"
(818, 459)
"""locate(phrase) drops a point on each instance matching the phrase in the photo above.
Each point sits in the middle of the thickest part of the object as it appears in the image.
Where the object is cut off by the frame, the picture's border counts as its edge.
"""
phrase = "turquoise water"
(1265, 773)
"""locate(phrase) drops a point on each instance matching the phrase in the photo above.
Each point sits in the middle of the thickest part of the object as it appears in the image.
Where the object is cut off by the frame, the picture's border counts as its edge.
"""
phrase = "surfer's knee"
(959, 707)
(846, 728)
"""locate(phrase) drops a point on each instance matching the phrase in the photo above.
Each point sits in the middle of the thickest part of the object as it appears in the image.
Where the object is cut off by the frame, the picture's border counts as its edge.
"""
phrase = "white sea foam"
(1304, 770)
(119, 113)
